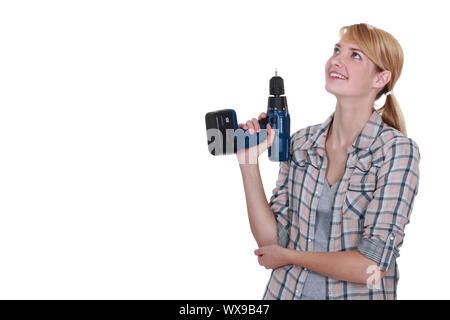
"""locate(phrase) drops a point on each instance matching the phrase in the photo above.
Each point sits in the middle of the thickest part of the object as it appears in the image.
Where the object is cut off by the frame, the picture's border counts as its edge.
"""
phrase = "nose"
(336, 61)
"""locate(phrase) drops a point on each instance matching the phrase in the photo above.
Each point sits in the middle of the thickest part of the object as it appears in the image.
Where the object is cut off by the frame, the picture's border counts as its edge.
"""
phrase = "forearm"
(347, 266)
(262, 220)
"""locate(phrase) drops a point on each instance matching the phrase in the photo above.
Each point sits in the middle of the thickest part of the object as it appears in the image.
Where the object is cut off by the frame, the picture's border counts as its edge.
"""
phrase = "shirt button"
(392, 237)
(297, 292)
(309, 240)
(317, 193)
(306, 269)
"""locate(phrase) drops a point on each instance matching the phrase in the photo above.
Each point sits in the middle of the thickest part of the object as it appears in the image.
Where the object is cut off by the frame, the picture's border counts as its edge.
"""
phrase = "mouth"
(336, 76)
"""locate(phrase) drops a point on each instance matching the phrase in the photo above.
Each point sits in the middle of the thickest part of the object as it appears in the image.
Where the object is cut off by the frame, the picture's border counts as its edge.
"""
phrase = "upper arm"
(389, 211)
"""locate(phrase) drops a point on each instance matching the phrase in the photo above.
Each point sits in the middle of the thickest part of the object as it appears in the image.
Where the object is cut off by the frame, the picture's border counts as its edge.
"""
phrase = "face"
(359, 71)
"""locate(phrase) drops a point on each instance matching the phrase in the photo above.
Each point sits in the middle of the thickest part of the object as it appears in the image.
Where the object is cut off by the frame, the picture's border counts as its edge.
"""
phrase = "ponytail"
(392, 114)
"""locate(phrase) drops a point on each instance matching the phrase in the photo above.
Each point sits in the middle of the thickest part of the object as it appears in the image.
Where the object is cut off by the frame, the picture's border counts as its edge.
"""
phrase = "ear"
(382, 78)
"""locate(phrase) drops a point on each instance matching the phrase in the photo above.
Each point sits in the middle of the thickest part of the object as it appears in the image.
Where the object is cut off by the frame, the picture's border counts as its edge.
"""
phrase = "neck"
(349, 119)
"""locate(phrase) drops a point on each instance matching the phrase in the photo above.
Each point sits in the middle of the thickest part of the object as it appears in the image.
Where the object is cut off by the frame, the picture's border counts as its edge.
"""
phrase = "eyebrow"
(338, 45)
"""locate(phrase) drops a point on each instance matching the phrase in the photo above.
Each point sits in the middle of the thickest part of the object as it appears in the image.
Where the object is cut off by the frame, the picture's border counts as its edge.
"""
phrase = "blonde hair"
(387, 54)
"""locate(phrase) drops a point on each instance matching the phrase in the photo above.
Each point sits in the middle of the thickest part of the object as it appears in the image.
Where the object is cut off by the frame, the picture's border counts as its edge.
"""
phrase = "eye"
(357, 55)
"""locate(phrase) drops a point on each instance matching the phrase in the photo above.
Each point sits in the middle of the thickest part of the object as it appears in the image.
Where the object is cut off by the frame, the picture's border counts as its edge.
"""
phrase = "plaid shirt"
(372, 205)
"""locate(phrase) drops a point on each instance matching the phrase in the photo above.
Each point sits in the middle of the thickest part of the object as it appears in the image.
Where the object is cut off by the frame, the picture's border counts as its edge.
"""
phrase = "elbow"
(267, 242)
(371, 274)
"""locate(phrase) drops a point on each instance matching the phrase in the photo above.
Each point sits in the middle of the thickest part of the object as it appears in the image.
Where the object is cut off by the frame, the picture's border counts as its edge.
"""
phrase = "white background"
(107, 189)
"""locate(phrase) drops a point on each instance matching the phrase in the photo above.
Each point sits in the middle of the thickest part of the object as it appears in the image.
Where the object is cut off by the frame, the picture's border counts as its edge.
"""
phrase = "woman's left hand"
(272, 256)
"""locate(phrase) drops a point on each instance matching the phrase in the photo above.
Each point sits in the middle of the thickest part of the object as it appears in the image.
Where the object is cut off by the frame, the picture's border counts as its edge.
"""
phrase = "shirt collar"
(365, 139)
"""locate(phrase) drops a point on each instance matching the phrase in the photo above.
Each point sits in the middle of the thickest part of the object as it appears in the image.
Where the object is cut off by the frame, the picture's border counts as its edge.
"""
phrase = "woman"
(336, 218)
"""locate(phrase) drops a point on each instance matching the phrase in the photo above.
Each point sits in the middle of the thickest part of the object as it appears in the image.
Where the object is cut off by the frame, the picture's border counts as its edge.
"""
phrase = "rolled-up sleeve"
(279, 203)
(389, 211)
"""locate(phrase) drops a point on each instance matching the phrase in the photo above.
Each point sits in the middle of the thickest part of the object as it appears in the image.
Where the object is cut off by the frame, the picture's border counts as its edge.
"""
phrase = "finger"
(243, 126)
(256, 124)
(250, 126)
(262, 115)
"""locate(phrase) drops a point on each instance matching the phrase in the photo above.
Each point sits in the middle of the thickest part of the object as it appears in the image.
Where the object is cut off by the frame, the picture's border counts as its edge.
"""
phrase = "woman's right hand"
(250, 155)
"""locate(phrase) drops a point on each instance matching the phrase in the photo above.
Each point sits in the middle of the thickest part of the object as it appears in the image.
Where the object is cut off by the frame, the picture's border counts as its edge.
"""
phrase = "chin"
(332, 91)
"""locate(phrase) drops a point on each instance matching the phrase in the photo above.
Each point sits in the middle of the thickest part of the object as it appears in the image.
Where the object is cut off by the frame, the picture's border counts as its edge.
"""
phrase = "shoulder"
(392, 144)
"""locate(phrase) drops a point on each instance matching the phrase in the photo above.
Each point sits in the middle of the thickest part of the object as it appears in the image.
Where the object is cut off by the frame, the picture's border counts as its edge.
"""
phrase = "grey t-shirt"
(315, 285)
